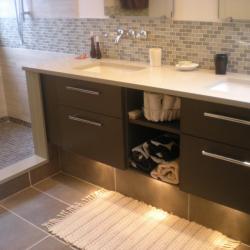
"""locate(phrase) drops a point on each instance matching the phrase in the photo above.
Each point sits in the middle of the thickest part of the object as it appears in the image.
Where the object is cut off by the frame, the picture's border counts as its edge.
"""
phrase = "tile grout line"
(82, 180)
(30, 223)
(51, 196)
(13, 195)
(49, 177)
(38, 242)
(20, 217)
(24, 189)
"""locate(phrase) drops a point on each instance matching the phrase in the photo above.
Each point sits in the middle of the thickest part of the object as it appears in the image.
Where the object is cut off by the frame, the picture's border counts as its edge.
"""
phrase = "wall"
(196, 10)
(180, 40)
(12, 60)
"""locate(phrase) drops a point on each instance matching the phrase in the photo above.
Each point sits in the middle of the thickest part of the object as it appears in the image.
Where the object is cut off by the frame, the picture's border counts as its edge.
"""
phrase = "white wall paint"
(14, 81)
(43, 8)
(196, 10)
(7, 8)
(193, 10)
(91, 9)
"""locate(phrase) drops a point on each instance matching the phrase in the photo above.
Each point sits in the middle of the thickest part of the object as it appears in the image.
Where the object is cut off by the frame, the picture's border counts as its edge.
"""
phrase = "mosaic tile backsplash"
(196, 41)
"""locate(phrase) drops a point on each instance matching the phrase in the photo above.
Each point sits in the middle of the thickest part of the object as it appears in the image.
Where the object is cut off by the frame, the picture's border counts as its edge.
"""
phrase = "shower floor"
(16, 143)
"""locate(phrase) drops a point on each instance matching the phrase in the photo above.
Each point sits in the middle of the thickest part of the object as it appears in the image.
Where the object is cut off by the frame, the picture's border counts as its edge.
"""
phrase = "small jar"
(221, 61)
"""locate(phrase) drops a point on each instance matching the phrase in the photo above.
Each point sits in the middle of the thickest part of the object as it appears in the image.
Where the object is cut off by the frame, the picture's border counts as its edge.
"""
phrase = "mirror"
(148, 8)
(234, 9)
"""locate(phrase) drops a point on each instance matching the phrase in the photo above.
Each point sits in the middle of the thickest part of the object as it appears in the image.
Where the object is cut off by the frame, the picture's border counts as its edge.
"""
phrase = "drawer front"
(216, 172)
(92, 135)
(89, 96)
(217, 122)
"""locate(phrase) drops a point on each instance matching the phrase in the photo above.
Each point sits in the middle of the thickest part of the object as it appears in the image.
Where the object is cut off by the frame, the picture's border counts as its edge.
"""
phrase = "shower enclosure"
(16, 141)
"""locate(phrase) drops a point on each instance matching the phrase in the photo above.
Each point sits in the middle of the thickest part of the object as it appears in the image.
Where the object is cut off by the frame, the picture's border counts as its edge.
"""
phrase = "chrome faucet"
(120, 33)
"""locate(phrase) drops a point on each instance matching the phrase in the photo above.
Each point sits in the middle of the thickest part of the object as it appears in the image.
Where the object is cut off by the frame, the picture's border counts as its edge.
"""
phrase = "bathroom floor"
(16, 143)
(24, 213)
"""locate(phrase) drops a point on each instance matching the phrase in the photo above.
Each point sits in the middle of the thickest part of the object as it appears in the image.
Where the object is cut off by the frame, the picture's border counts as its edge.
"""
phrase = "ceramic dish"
(187, 66)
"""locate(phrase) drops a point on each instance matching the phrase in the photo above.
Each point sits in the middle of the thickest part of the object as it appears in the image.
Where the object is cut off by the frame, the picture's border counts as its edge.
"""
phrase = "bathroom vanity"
(86, 111)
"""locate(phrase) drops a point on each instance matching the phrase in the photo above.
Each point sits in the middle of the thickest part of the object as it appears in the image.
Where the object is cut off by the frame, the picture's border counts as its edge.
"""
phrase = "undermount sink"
(104, 67)
(232, 85)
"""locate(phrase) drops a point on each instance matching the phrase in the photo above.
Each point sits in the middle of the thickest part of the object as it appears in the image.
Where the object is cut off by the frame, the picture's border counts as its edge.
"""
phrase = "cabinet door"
(51, 111)
(222, 123)
(95, 136)
(216, 172)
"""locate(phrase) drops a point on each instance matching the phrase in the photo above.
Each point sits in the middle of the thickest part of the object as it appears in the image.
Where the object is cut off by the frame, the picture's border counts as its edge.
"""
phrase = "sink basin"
(106, 68)
(231, 85)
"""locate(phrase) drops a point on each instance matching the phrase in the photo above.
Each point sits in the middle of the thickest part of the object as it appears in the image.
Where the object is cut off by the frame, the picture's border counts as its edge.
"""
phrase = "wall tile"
(156, 193)
(89, 170)
(182, 40)
(48, 169)
(231, 222)
(14, 186)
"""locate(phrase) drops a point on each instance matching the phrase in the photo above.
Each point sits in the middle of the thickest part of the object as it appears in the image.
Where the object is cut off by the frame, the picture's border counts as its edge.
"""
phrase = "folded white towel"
(162, 108)
(152, 106)
(167, 172)
(146, 106)
(167, 106)
(176, 109)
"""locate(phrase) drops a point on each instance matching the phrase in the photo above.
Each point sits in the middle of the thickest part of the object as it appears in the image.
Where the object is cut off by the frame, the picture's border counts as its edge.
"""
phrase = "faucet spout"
(120, 33)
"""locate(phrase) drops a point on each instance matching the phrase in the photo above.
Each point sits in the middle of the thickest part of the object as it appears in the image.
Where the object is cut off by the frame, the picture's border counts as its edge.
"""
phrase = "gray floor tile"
(66, 188)
(34, 206)
(15, 233)
(51, 244)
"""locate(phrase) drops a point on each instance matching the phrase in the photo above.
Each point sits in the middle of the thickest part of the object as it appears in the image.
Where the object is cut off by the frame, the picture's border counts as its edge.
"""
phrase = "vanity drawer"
(222, 123)
(216, 172)
(90, 96)
(95, 136)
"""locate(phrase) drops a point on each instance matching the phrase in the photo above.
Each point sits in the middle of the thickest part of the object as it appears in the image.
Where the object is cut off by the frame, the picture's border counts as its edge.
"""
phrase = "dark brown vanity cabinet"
(86, 118)
(90, 119)
(215, 153)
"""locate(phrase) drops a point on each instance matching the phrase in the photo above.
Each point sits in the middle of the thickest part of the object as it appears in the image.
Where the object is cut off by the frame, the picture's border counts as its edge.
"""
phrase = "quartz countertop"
(199, 84)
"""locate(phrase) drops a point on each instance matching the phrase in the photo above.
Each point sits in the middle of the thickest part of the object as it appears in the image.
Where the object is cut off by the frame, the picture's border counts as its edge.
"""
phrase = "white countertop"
(198, 84)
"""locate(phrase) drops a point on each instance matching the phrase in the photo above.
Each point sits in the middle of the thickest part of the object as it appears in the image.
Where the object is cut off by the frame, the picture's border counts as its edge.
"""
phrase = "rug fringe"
(230, 244)
(73, 208)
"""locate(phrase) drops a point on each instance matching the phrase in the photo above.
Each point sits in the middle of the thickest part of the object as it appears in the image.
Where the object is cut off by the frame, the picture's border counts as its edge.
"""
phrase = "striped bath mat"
(108, 220)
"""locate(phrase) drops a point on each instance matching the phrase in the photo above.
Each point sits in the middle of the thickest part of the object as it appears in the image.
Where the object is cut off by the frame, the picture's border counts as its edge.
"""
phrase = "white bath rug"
(110, 221)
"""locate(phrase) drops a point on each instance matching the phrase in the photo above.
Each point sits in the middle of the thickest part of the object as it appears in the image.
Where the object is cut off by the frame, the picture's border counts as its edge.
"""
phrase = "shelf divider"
(171, 127)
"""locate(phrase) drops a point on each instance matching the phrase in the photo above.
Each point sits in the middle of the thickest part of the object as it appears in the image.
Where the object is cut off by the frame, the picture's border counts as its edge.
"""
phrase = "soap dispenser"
(93, 48)
(98, 49)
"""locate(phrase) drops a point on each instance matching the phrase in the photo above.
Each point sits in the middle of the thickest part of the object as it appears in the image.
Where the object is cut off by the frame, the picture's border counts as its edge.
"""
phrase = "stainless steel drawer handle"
(227, 159)
(227, 118)
(77, 119)
(85, 91)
